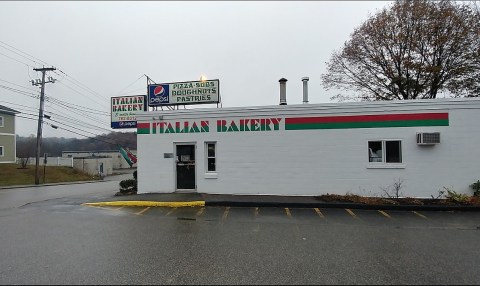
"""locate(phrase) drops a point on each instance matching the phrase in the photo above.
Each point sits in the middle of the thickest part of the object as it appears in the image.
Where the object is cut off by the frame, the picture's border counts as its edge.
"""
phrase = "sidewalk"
(201, 199)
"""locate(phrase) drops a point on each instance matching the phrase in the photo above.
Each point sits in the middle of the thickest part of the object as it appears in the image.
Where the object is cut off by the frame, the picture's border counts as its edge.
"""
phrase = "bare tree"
(413, 50)
(26, 149)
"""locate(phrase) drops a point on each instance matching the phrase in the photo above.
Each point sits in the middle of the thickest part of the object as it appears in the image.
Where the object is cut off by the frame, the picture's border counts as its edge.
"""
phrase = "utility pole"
(40, 118)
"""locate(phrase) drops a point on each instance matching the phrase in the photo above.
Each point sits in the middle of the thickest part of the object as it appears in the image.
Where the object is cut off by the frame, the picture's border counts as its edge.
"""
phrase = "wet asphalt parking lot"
(57, 240)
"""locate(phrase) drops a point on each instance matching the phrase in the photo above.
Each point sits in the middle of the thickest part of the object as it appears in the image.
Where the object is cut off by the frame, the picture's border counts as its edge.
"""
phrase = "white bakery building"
(312, 149)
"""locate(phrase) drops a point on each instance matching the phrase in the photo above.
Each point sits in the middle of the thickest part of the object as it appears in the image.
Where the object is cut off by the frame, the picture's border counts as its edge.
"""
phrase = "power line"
(100, 112)
(26, 117)
(79, 122)
(96, 111)
(62, 128)
(71, 131)
(36, 60)
(71, 120)
(77, 128)
(61, 103)
(118, 93)
(18, 85)
(135, 90)
(81, 134)
(80, 92)
(24, 106)
(19, 91)
(76, 121)
(81, 85)
(45, 63)
(15, 60)
(86, 116)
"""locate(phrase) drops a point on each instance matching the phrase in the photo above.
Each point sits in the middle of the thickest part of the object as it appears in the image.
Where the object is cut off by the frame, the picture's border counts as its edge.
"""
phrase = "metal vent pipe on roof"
(305, 89)
(283, 91)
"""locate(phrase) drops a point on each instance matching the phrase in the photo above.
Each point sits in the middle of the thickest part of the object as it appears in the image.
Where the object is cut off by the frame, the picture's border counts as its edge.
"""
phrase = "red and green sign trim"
(367, 121)
(143, 128)
(301, 123)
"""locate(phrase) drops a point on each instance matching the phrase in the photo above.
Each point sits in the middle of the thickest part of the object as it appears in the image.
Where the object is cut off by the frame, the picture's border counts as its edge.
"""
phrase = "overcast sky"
(103, 49)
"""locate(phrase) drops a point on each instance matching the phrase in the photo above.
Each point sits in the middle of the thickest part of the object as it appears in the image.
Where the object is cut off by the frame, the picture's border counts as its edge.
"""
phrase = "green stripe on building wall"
(375, 124)
(143, 130)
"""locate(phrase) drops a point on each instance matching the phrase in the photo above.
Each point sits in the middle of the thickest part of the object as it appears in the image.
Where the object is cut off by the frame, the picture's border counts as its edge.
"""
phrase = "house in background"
(7, 135)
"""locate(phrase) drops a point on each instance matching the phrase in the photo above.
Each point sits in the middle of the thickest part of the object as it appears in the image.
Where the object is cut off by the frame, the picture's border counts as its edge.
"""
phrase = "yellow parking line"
(385, 214)
(200, 211)
(171, 211)
(317, 210)
(97, 207)
(351, 213)
(225, 213)
(142, 211)
(419, 214)
(287, 211)
(256, 211)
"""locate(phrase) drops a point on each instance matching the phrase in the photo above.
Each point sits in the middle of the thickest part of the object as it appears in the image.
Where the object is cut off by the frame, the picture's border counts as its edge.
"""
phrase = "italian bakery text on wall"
(222, 125)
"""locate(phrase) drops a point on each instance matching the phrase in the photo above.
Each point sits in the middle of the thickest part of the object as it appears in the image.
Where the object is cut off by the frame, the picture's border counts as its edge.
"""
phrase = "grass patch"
(11, 175)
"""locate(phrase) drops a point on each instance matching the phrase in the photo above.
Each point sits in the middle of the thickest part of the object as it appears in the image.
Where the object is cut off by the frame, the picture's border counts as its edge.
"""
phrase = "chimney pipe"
(283, 91)
(305, 89)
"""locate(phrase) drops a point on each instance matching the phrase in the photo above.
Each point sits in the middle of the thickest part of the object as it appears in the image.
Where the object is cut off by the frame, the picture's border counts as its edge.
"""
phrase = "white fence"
(51, 161)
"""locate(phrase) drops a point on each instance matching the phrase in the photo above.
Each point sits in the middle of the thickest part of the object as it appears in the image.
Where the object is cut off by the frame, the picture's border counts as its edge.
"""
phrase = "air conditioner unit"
(424, 138)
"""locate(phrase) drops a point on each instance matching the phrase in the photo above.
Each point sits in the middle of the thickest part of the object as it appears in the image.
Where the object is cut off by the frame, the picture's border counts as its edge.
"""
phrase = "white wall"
(313, 162)
(118, 162)
(91, 166)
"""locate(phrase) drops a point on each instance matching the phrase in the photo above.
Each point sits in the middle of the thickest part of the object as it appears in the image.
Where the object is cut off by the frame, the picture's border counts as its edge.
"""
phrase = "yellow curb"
(147, 204)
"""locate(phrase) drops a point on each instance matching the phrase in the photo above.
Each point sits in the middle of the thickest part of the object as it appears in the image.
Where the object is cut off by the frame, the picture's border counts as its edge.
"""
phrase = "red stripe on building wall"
(366, 118)
(143, 125)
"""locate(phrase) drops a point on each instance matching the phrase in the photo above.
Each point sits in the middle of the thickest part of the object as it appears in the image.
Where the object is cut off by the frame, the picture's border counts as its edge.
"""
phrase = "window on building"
(1, 121)
(385, 151)
(1, 151)
(211, 156)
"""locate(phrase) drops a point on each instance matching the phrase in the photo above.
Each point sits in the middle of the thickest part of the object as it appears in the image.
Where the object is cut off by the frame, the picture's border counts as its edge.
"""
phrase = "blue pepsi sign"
(158, 94)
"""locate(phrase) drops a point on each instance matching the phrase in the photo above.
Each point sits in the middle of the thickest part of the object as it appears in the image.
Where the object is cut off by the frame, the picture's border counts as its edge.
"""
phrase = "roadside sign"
(123, 110)
(183, 93)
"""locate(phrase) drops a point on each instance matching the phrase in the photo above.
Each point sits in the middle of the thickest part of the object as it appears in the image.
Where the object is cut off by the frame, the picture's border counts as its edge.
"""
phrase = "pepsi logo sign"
(159, 90)
(158, 95)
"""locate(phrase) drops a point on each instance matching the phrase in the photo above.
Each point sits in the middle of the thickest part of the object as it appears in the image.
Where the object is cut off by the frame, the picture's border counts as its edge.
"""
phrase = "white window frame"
(2, 154)
(382, 164)
(2, 121)
(211, 174)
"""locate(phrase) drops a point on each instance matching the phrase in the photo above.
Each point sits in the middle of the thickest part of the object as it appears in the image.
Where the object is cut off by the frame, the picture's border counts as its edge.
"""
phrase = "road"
(48, 237)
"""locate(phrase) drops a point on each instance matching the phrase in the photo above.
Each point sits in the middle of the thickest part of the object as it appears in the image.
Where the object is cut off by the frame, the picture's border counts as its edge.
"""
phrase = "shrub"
(393, 191)
(128, 186)
(455, 197)
(476, 187)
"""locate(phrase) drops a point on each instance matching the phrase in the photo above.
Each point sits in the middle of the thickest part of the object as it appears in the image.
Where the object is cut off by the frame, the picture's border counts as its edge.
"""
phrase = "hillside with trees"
(54, 146)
